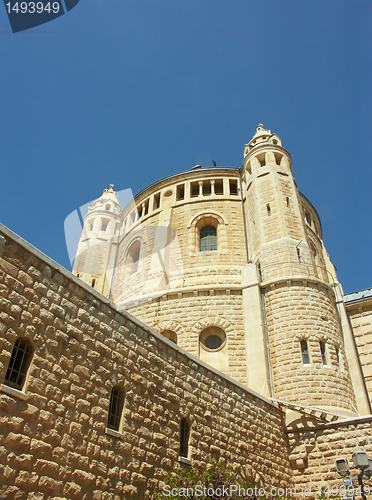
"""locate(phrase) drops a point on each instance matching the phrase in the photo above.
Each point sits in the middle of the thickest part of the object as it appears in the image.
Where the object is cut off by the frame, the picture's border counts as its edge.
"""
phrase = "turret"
(300, 324)
(95, 257)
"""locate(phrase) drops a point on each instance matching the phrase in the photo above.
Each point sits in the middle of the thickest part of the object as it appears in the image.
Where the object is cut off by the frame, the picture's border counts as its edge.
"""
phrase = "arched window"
(171, 335)
(212, 338)
(305, 352)
(208, 238)
(108, 207)
(133, 257)
(115, 408)
(19, 364)
(308, 217)
(184, 437)
(339, 357)
(314, 258)
(323, 352)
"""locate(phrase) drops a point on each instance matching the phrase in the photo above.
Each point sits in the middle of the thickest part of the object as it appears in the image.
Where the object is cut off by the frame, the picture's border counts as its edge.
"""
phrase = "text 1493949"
(33, 7)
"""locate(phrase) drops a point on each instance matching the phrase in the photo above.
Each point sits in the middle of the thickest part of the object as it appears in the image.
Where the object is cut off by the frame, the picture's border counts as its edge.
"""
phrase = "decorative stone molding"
(207, 213)
(222, 323)
(174, 326)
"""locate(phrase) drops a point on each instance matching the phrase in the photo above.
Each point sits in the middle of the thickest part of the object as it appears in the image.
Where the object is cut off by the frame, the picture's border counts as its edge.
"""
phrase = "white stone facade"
(261, 286)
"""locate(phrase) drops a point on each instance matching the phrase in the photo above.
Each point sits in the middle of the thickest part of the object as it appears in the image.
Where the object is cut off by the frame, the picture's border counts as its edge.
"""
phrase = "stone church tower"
(230, 264)
(95, 256)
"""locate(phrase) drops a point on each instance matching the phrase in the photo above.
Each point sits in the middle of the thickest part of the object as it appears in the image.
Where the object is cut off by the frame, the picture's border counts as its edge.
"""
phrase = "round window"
(212, 338)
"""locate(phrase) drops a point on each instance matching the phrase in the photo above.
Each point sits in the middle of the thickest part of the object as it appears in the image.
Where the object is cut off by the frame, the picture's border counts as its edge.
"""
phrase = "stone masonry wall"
(305, 310)
(314, 452)
(54, 440)
(361, 320)
(187, 314)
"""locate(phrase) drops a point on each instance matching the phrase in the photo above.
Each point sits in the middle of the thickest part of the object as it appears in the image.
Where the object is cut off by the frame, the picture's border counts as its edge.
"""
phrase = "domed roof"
(261, 131)
(262, 135)
(109, 194)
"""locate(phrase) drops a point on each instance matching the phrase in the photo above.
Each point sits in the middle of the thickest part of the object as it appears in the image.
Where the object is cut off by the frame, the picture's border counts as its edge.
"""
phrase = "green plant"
(214, 483)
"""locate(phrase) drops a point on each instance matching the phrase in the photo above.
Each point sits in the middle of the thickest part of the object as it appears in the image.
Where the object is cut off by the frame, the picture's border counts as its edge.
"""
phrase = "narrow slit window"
(156, 203)
(19, 364)
(339, 357)
(298, 254)
(278, 158)
(305, 352)
(259, 270)
(104, 224)
(184, 437)
(268, 209)
(287, 201)
(133, 257)
(180, 192)
(323, 352)
(93, 282)
(115, 408)
(261, 159)
(233, 183)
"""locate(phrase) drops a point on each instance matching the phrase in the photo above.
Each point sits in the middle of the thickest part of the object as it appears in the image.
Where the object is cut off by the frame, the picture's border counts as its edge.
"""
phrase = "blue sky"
(130, 91)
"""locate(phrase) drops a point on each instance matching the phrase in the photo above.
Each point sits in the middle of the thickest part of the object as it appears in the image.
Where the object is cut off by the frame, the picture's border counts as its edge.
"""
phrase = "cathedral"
(230, 264)
(202, 321)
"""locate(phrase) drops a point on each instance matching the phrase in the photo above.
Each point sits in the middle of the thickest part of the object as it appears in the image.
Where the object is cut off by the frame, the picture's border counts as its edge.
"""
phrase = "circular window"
(168, 193)
(212, 338)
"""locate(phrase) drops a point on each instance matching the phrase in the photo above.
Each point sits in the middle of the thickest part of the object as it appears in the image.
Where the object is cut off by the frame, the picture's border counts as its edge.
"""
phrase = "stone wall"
(189, 313)
(303, 310)
(314, 452)
(360, 315)
(54, 439)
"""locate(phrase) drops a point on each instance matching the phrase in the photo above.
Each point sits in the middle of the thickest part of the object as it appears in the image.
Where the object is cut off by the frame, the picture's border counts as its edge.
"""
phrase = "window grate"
(18, 364)
(115, 409)
(184, 438)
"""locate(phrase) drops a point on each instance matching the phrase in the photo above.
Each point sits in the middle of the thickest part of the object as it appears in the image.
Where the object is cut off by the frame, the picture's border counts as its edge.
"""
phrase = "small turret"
(97, 246)
(262, 136)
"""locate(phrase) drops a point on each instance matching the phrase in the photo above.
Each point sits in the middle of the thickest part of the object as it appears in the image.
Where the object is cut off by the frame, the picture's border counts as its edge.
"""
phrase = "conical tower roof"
(109, 194)
(261, 136)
